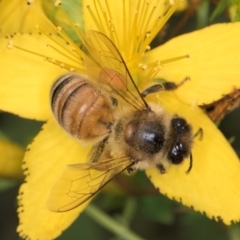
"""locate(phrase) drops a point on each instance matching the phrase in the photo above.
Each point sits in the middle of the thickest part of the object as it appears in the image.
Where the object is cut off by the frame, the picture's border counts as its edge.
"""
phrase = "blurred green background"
(135, 204)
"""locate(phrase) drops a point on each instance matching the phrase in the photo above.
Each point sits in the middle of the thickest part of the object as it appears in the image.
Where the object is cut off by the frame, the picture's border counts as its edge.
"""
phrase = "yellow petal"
(45, 160)
(17, 16)
(11, 156)
(213, 63)
(26, 78)
(213, 184)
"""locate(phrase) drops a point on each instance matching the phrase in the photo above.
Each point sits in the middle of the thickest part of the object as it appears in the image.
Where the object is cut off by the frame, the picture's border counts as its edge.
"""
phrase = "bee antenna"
(199, 134)
(190, 164)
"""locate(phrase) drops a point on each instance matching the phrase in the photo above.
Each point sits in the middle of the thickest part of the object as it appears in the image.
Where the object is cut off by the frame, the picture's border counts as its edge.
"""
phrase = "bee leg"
(114, 101)
(161, 168)
(165, 86)
(199, 134)
(130, 171)
(97, 151)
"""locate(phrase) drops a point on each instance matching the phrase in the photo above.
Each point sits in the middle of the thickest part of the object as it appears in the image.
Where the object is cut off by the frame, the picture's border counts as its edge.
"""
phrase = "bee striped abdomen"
(80, 108)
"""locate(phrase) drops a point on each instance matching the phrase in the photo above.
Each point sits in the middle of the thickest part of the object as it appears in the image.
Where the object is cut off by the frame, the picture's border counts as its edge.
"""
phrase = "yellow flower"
(212, 186)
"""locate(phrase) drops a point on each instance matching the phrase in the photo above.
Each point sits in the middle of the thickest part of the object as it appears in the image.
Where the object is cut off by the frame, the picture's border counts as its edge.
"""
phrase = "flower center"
(131, 31)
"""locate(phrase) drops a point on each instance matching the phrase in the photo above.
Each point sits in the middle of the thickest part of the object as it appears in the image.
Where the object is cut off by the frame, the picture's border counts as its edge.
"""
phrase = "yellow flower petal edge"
(213, 63)
(11, 156)
(27, 77)
(213, 185)
(45, 160)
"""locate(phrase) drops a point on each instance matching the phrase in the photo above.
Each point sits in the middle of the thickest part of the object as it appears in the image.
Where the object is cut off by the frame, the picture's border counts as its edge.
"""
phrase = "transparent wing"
(107, 70)
(80, 182)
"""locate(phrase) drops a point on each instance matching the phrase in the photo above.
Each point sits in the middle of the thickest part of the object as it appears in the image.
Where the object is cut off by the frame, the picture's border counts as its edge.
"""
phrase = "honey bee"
(107, 107)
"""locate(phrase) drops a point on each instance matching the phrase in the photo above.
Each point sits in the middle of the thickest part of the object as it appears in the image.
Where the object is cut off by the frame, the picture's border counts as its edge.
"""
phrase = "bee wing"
(80, 182)
(108, 70)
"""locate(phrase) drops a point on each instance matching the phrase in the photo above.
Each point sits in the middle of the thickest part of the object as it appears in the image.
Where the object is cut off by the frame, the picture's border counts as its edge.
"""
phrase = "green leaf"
(6, 184)
(202, 14)
(157, 208)
(222, 5)
(65, 15)
(196, 226)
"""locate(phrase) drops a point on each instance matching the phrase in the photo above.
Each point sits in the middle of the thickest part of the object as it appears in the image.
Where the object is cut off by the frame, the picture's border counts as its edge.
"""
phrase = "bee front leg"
(130, 171)
(161, 168)
(165, 86)
(133, 168)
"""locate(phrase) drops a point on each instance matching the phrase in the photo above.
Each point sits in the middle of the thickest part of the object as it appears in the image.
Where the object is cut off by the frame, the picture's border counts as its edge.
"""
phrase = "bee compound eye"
(178, 153)
(179, 124)
(180, 148)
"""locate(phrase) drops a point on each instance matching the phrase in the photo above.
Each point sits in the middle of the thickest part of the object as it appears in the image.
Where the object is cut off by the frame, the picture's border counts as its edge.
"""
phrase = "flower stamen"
(58, 3)
(159, 23)
(68, 67)
(169, 60)
(97, 22)
(60, 44)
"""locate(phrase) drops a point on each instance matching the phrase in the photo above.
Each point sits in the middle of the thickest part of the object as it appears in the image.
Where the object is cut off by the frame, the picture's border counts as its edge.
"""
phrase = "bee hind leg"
(164, 86)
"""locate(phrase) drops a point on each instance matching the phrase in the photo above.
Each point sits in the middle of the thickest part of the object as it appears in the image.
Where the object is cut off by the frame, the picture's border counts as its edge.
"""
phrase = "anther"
(10, 45)
(29, 2)
(59, 28)
(148, 48)
(144, 67)
(58, 3)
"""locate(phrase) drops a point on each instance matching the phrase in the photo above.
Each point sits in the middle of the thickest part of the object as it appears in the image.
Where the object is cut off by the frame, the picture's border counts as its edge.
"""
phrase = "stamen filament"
(149, 19)
(69, 40)
(49, 59)
(142, 15)
(66, 65)
(149, 77)
(114, 36)
(79, 31)
(167, 15)
(61, 33)
(55, 41)
(134, 34)
(103, 11)
(166, 61)
(98, 22)
(125, 28)
(64, 54)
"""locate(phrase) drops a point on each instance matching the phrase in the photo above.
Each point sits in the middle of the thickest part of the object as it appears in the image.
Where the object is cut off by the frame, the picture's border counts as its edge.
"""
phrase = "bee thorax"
(146, 136)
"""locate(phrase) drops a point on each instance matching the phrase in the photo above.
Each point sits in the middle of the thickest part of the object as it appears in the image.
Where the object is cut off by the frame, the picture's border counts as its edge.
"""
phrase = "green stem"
(110, 224)
(234, 232)
(128, 211)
